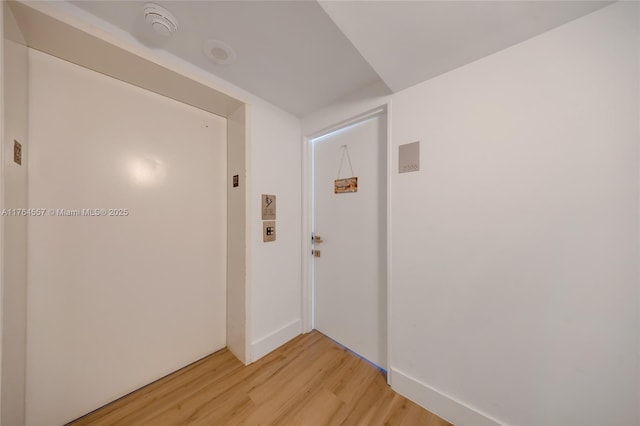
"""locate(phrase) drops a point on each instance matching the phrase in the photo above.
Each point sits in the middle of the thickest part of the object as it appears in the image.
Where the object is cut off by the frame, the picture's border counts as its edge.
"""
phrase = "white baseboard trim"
(274, 340)
(437, 402)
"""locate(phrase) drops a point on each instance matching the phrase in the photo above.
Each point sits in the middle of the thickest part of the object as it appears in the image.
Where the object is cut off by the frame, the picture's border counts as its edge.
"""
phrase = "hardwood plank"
(309, 381)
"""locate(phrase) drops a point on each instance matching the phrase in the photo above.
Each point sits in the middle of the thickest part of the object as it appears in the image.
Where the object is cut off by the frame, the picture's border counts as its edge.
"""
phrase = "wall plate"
(409, 157)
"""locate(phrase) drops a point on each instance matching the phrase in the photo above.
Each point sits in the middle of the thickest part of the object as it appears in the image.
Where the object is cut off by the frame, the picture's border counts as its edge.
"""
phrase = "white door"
(124, 296)
(350, 273)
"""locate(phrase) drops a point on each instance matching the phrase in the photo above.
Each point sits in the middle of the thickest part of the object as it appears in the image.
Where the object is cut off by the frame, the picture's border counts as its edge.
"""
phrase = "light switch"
(269, 231)
(409, 157)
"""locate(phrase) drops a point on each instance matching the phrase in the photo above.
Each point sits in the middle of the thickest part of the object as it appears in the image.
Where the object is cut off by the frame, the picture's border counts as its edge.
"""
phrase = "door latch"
(315, 253)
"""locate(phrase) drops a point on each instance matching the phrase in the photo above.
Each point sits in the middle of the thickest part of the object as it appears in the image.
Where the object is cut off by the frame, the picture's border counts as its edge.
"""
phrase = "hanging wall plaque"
(345, 185)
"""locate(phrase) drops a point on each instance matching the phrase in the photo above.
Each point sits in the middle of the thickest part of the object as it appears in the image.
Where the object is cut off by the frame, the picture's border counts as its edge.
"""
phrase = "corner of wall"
(274, 340)
(237, 213)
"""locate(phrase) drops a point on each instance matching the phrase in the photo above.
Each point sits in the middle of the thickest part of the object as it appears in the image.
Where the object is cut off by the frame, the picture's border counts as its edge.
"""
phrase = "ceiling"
(408, 42)
(304, 55)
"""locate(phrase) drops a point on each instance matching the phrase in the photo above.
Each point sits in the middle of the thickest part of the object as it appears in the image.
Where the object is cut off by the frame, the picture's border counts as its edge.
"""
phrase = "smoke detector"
(219, 52)
(160, 19)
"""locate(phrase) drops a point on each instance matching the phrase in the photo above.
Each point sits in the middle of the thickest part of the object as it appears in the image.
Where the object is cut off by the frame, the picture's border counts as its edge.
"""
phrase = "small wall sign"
(409, 157)
(268, 207)
(346, 185)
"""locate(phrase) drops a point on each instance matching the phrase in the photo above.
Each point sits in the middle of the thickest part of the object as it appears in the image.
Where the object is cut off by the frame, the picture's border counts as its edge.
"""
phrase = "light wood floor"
(309, 381)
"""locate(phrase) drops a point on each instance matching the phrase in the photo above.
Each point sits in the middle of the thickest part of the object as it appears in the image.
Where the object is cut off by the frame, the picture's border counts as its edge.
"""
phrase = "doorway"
(349, 225)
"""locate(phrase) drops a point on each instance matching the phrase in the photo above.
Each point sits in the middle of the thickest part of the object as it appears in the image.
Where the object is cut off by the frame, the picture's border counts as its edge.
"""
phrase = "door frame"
(383, 109)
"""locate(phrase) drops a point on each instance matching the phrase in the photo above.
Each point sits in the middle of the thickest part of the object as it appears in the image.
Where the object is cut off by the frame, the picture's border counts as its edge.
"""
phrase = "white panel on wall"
(118, 301)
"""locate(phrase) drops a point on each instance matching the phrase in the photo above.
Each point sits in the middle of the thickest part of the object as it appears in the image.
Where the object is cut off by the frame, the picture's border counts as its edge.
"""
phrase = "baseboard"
(437, 402)
(274, 340)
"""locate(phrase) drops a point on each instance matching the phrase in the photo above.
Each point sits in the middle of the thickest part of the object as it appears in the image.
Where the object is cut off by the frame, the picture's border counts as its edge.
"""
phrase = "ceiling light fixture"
(219, 52)
(160, 19)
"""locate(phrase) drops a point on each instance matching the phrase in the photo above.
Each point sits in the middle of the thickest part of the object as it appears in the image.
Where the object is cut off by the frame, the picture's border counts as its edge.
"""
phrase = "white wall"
(117, 302)
(515, 288)
(276, 152)
(518, 262)
(14, 234)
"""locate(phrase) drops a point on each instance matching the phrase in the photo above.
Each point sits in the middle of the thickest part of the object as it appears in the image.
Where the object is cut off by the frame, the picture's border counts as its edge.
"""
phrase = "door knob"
(317, 239)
